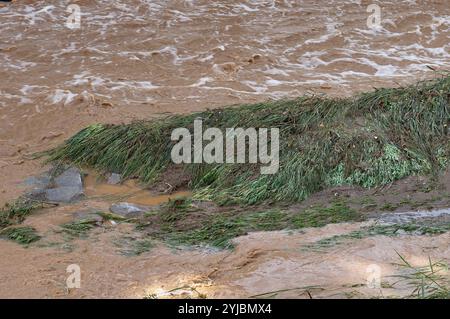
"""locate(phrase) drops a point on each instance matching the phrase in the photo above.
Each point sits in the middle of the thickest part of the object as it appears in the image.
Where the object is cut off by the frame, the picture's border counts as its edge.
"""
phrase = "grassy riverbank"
(368, 140)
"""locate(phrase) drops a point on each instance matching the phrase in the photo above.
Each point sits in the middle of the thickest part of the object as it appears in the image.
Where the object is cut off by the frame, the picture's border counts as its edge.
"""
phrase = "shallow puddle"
(129, 191)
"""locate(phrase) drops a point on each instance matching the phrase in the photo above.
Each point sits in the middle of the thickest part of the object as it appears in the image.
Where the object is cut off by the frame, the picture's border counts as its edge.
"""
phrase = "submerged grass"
(427, 282)
(423, 228)
(319, 216)
(130, 246)
(22, 235)
(369, 140)
(16, 212)
(219, 230)
(185, 226)
(79, 228)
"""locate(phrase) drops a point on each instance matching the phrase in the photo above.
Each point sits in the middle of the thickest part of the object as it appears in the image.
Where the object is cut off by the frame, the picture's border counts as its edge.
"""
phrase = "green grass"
(130, 246)
(21, 235)
(368, 140)
(79, 228)
(16, 212)
(389, 207)
(111, 216)
(427, 282)
(219, 230)
(382, 230)
(187, 226)
(176, 209)
(319, 216)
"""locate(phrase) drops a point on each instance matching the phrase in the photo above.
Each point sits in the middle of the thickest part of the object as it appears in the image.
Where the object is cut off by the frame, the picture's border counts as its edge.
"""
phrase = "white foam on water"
(202, 81)
(302, 44)
(62, 96)
(255, 86)
(36, 14)
(28, 90)
(276, 71)
(331, 31)
(406, 217)
(147, 85)
(16, 64)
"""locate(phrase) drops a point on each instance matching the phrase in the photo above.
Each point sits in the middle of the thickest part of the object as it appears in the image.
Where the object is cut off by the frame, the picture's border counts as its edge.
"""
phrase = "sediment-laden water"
(137, 59)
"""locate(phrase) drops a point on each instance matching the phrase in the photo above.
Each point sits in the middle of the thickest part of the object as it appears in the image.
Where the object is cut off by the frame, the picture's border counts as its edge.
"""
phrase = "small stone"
(106, 105)
(68, 187)
(64, 194)
(38, 182)
(128, 210)
(114, 179)
(401, 232)
(70, 177)
(39, 185)
(65, 188)
(36, 194)
(88, 215)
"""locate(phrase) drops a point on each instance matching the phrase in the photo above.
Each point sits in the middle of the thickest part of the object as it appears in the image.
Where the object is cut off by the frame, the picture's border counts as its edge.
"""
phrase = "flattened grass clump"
(79, 228)
(130, 246)
(390, 230)
(191, 227)
(16, 212)
(21, 235)
(319, 216)
(176, 209)
(218, 231)
(427, 282)
(369, 140)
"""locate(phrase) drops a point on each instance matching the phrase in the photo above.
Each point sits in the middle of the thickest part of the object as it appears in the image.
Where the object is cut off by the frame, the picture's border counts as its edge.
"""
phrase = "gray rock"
(128, 210)
(64, 194)
(88, 215)
(65, 188)
(36, 194)
(70, 177)
(68, 187)
(114, 179)
(39, 182)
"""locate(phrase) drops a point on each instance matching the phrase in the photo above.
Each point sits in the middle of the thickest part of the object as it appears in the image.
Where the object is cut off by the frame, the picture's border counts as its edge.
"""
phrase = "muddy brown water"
(140, 59)
(278, 264)
(129, 191)
(262, 263)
